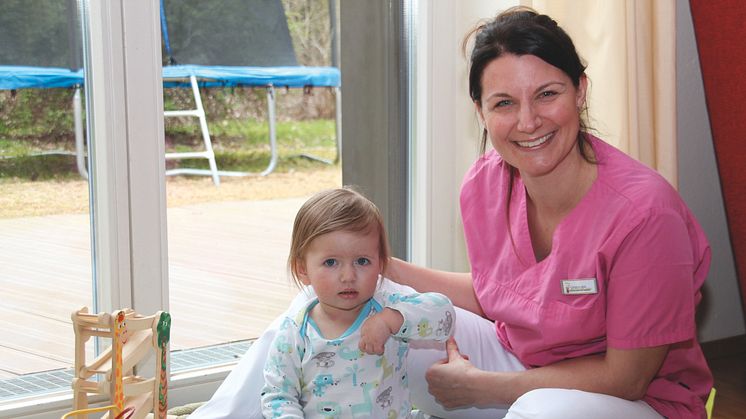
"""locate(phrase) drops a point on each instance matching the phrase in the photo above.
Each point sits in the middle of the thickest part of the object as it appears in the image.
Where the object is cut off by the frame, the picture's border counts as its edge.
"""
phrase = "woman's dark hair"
(523, 31)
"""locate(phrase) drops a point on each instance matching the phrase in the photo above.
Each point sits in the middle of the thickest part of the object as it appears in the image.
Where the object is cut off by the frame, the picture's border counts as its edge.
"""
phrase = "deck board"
(227, 278)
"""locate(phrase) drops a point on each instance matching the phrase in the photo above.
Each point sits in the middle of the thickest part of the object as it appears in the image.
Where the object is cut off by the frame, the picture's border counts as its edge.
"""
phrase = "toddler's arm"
(282, 375)
(377, 329)
(426, 316)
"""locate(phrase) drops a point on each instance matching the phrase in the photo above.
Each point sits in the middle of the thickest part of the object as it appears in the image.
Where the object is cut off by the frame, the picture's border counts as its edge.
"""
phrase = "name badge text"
(580, 286)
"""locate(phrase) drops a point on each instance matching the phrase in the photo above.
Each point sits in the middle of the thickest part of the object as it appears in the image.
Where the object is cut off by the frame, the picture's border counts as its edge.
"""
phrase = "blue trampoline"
(23, 77)
(254, 50)
(218, 76)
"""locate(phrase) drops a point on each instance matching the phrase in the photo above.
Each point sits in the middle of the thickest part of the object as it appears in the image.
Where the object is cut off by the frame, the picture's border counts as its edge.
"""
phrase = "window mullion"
(127, 143)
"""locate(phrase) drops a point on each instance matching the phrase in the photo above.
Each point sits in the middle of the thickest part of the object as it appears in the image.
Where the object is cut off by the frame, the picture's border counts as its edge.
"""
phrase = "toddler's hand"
(377, 329)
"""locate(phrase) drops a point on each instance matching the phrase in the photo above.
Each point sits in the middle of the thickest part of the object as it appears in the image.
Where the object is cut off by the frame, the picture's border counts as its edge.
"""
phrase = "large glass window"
(225, 276)
(45, 229)
(244, 151)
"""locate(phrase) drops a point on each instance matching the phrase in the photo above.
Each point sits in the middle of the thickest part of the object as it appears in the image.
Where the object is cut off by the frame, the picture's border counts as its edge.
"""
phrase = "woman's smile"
(537, 142)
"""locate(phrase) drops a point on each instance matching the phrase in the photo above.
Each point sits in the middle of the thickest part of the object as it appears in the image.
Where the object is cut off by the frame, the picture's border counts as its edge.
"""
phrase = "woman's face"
(531, 112)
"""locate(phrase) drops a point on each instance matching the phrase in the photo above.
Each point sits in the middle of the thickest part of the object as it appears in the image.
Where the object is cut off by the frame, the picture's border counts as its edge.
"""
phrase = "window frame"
(127, 147)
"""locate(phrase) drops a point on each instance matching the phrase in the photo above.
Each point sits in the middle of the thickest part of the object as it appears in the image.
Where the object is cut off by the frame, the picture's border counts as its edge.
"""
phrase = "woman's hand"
(455, 285)
(456, 382)
(392, 270)
(451, 381)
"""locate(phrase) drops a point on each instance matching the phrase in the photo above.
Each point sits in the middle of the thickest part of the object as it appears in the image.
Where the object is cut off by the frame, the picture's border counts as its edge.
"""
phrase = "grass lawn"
(34, 182)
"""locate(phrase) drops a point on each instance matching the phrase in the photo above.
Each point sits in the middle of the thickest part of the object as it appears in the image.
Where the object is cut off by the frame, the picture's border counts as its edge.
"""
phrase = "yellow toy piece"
(133, 337)
(710, 403)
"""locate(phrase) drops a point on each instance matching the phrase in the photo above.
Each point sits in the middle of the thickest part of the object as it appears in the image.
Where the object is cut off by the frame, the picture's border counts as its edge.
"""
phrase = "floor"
(730, 383)
(227, 269)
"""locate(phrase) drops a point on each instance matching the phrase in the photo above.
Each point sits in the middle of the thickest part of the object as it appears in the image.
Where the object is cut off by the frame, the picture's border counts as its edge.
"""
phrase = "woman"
(586, 265)
(589, 263)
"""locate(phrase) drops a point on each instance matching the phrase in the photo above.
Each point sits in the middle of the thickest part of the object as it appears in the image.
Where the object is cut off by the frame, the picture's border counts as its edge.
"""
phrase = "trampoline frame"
(208, 152)
(76, 81)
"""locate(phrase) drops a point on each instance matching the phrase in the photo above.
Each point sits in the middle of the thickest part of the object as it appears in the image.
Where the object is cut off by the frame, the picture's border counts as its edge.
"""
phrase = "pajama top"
(625, 271)
(307, 375)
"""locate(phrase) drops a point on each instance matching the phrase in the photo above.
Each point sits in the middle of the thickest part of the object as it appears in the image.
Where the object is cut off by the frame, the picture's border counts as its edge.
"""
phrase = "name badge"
(579, 286)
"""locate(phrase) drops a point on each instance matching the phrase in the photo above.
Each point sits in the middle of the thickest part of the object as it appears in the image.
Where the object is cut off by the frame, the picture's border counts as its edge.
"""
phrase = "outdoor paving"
(227, 270)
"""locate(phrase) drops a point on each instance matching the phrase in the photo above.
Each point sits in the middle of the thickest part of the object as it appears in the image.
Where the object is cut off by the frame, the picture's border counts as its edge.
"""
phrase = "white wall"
(447, 139)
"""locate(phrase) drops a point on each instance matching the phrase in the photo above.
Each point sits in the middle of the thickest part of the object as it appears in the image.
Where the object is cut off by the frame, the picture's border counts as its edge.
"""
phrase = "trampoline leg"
(338, 123)
(272, 131)
(79, 140)
(205, 133)
(338, 132)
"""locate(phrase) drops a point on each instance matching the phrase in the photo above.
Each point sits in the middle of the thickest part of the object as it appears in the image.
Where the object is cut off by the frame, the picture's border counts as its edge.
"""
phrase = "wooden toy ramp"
(133, 338)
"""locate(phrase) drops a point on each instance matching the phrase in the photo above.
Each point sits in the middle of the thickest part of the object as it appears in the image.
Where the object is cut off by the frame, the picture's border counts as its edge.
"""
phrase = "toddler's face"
(343, 268)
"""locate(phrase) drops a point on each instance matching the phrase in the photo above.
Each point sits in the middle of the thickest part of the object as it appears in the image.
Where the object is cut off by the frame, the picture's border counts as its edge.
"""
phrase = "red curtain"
(721, 41)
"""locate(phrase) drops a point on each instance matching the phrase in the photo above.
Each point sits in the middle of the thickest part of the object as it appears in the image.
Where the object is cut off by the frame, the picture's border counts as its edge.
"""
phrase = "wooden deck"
(227, 274)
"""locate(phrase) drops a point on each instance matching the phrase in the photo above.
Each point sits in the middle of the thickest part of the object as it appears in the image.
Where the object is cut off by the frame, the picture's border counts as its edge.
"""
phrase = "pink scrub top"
(625, 272)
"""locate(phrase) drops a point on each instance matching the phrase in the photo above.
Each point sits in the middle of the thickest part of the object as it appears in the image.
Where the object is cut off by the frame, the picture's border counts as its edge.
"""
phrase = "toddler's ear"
(303, 273)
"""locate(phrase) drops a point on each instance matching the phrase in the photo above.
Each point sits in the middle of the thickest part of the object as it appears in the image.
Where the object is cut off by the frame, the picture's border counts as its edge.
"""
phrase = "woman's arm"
(455, 382)
(455, 285)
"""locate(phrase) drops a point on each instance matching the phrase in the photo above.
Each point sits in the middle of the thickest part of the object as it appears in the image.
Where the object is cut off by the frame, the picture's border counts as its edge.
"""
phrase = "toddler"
(334, 359)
